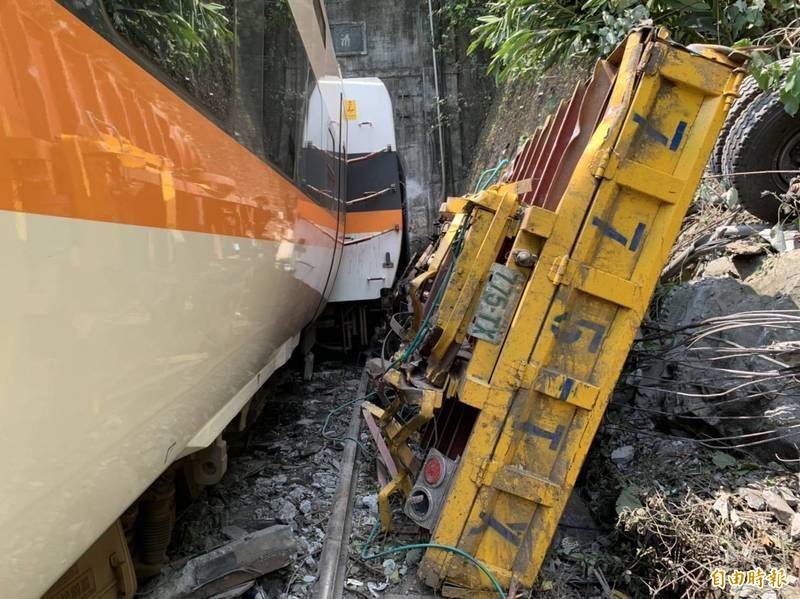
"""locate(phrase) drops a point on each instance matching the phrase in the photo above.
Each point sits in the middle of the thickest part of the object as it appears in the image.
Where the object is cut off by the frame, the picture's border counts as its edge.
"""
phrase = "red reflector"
(433, 471)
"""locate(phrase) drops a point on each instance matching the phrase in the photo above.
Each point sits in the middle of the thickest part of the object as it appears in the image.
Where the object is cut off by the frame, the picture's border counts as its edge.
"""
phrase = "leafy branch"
(781, 76)
(188, 32)
(529, 36)
(191, 40)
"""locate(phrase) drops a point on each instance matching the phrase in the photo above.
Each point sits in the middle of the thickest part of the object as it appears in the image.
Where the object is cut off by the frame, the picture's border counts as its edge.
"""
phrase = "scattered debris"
(672, 487)
(623, 455)
(279, 472)
(229, 570)
(754, 499)
(376, 588)
(778, 506)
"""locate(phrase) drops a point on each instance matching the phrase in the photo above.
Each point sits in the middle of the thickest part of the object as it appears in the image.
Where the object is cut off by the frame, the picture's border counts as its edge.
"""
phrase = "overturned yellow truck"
(526, 306)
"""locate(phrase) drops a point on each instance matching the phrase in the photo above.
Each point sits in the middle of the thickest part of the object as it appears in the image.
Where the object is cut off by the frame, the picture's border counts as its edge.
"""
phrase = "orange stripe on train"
(373, 221)
(61, 156)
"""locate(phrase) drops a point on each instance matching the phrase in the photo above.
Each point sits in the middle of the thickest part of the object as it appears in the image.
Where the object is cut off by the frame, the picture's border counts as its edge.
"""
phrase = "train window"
(287, 83)
(241, 62)
(192, 42)
(237, 61)
(186, 44)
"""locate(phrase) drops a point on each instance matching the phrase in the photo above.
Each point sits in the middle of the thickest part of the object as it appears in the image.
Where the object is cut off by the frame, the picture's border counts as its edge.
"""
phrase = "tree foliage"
(525, 36)
(190, 39)
(178, 33)
(781, 77)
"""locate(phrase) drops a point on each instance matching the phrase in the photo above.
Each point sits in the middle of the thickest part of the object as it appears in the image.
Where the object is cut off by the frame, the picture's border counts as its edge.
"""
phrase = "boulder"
(741, 381)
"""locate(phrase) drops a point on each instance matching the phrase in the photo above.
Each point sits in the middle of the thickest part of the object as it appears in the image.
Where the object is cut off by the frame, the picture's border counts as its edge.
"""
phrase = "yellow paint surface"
(543, 390)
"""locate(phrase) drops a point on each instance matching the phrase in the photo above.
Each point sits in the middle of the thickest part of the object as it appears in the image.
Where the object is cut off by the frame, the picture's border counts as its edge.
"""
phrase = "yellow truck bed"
(539, 308)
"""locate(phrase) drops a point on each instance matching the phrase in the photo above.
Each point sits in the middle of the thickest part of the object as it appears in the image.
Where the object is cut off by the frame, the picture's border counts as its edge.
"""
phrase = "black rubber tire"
(748, 91)
(764, 137)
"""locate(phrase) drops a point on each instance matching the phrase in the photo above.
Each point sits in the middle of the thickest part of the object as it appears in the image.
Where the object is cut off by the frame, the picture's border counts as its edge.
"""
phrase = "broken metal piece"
(383, 449)
(232, 565)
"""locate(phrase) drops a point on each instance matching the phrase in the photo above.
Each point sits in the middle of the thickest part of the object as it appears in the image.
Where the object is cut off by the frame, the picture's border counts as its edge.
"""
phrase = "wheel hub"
(788, 159)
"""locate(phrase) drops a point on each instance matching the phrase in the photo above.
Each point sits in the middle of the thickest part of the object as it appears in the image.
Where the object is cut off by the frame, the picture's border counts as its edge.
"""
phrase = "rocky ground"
(283, 471)
(694, 470)
(695, 467)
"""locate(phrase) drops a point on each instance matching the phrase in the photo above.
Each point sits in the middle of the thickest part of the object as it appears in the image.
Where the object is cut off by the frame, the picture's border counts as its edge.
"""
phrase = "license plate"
(497, 304)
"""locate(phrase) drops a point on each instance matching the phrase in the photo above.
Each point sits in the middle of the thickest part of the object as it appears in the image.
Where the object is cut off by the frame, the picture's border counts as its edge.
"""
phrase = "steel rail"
(333, 559)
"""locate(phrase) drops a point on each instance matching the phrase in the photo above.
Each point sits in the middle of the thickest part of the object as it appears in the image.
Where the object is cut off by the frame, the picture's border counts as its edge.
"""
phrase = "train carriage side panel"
(159, 261)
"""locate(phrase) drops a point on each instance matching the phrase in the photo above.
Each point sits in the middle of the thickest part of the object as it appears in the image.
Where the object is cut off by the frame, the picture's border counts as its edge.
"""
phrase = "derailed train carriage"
(164, 244)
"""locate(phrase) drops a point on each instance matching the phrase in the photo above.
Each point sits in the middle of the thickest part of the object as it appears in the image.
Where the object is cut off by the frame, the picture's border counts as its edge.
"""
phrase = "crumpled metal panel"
(549, 156)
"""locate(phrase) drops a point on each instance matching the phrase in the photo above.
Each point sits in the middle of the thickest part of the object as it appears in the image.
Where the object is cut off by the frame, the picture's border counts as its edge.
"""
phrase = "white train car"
(165, 238)
(373, 238)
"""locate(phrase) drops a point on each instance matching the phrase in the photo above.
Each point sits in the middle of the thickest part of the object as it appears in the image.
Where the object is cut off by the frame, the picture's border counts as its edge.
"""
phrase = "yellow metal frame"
(438, 256)
(489, 217)
(492, 215)
(542, 392)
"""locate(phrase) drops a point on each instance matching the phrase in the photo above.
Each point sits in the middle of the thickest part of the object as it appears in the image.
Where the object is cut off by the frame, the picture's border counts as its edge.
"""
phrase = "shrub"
(529, 36)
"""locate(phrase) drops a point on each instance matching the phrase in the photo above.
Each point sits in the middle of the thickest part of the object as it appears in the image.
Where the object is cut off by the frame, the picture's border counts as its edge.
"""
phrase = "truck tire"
(763, 138)
(748, 91)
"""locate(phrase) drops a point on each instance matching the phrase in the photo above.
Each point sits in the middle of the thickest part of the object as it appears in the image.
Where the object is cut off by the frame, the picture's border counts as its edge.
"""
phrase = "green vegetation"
(183, 31)
(190, 39)
(774, 76)
(529, 36)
